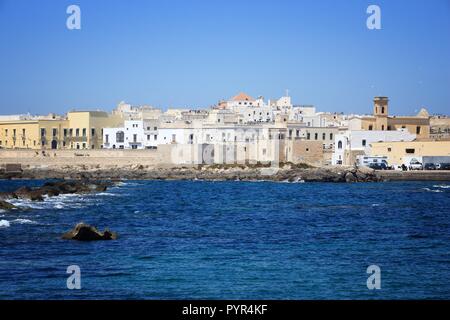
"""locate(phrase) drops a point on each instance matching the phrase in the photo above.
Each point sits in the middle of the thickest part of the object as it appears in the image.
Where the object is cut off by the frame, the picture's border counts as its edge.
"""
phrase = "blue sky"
(176, 53)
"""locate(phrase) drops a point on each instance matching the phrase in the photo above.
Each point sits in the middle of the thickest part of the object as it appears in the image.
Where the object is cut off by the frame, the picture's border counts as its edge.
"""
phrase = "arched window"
(340, 145)
(120, 136)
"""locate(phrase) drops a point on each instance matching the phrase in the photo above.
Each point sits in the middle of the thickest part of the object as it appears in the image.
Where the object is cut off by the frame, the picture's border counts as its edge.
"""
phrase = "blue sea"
(232, 240)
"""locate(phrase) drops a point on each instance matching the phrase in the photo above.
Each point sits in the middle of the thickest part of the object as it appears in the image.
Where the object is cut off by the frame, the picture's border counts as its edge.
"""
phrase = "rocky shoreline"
(285, 173)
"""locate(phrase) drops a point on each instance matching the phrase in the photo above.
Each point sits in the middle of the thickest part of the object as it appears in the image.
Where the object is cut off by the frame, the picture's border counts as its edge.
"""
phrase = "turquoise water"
(233, 240)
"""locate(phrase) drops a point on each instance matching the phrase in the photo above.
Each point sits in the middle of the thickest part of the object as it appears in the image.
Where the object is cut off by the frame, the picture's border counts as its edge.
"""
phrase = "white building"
(357, 142)
(136, 134)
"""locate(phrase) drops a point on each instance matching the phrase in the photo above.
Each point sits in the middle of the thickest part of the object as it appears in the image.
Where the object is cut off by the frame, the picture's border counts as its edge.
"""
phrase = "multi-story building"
(440, 127)
(349, 144)
(381, 121)
(135, 134)
(398, 152)
(79, 130)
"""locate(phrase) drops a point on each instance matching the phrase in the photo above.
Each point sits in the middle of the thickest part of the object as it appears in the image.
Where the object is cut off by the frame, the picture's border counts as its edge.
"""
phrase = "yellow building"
(381, 121)
(397, 151)
(85, 129)
(80, 130)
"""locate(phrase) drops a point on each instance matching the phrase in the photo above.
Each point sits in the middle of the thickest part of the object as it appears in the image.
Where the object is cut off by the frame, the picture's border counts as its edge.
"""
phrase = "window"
(308, 136)
(70, 132)
(418, 130)
(155, 137)
(324, 136)
(84, 133)
(297, 133)
(364, 142)
(93, 132)
(43, 132)
(77, 133)
(14, 132)
(54, 132)
(307, 149)
(65, 132)
(120, 136)
(340, 145)
(106, 138)
(84, 145)
(331, 136)
(316, 136)
(155, 128)
(382, 127)
(148, 137)
(6, 132)
(410, 150)
(370, 127)
(389, 149)
(382, 110)
(23, 133)
(134, 137)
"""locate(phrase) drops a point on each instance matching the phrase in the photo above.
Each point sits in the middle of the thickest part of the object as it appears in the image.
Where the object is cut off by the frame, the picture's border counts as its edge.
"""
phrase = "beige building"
(381, 121)
(397, 151)
(79, 130)
(440, 128)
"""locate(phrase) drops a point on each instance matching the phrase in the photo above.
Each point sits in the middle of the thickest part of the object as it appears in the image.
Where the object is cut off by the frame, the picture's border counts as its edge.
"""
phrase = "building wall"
(358, 142)
(34, 134)
(397, 151)
(301, 151)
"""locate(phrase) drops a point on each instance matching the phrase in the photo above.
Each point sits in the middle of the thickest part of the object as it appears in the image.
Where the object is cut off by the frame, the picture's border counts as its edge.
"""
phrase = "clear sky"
(177, 53)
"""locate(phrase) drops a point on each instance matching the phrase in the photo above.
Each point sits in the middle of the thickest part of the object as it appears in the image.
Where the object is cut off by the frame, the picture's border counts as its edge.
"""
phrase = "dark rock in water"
(349, 177)
(6, 205)
(55, 188)
(28, 193)
(85, 232)
(7, 195)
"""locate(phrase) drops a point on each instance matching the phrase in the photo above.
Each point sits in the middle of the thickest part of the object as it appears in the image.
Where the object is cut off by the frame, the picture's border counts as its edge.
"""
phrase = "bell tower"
(380, 112)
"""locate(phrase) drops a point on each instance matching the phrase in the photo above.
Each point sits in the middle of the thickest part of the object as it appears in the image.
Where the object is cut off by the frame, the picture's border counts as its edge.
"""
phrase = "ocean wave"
(4, 224)
(24, 221)
(432, 190)
(442, 186)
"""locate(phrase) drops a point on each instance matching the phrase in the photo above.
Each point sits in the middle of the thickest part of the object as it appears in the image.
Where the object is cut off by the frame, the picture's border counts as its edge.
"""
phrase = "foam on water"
(442, 186)
(432, 190)
(24, 221)
(4, 224)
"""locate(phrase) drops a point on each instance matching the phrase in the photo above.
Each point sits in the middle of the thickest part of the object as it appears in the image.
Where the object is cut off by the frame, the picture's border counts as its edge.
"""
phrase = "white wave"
(4, 224)
(432, 190)
(375, 204)
(24, 221)
(107, 194)
(442, 186)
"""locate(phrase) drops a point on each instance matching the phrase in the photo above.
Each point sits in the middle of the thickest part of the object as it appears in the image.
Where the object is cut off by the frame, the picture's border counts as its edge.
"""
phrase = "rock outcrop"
(85, 232)
(226, 172)
(55, 188)
(6, 205)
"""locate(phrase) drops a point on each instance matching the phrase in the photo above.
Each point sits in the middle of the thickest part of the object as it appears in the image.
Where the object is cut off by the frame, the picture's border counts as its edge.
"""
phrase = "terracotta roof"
(242, 97)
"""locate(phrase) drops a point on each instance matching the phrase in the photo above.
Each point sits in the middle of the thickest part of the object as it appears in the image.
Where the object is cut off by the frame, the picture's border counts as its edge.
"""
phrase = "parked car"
(429, 166)
(415, 165)
(443, 166)
(378, 166)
